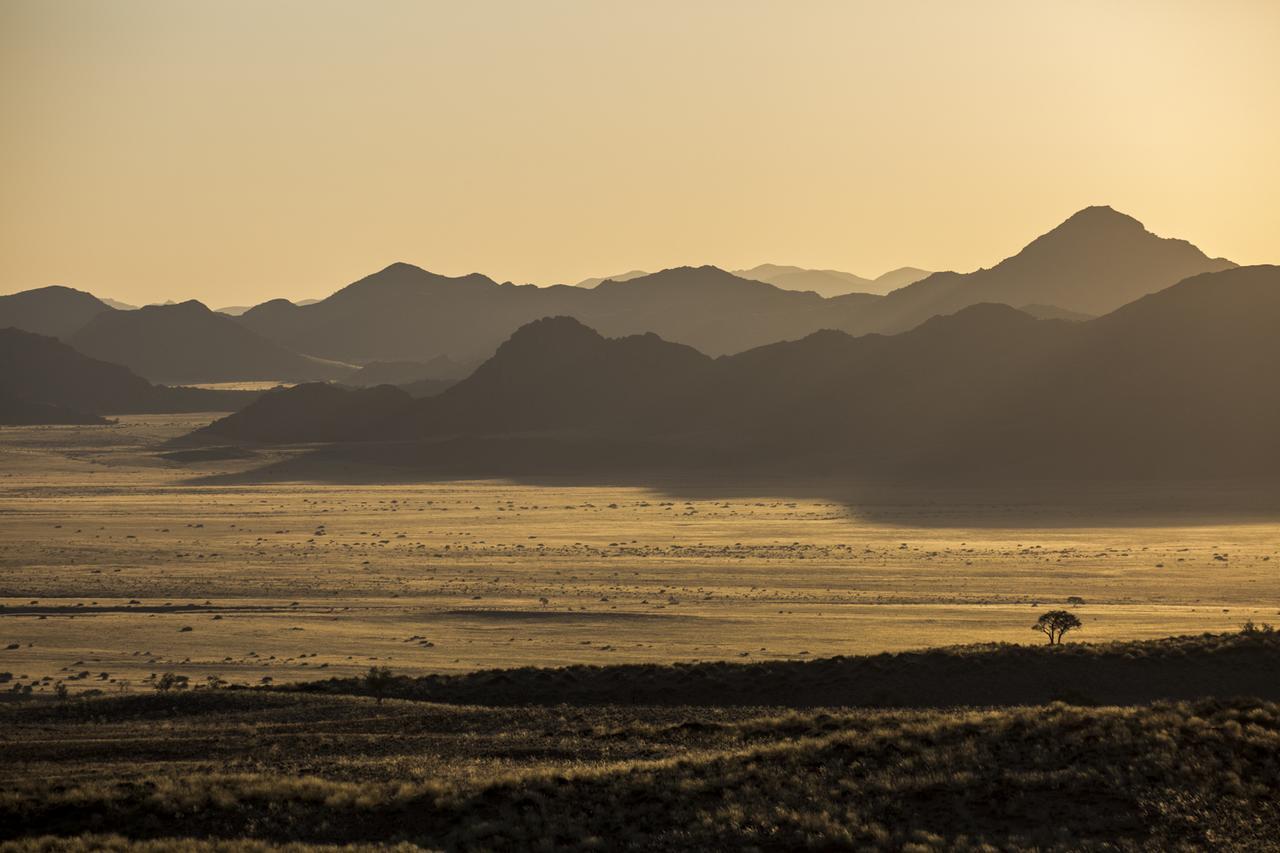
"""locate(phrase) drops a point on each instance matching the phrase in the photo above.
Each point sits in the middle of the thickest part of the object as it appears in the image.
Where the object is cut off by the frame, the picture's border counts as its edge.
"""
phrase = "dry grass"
(337, 770)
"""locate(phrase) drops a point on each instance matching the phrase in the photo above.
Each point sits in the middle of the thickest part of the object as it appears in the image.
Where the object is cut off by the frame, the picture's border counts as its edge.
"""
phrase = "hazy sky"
(235, 151)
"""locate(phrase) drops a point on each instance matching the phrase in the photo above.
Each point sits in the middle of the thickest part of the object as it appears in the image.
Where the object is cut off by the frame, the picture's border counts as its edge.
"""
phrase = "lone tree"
(377, 680)
(1055, 623)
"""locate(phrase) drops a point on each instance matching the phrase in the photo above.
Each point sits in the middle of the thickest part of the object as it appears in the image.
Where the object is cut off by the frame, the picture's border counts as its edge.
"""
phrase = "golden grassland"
(117, 564)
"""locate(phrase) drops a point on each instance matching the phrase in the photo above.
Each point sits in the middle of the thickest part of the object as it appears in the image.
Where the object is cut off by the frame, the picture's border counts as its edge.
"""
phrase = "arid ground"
(117, 565)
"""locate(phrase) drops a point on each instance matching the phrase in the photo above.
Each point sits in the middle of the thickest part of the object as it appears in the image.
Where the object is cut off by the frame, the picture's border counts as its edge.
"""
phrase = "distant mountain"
(626, 276)
(233, 310)
(901, 277)
(56, 310)
(832, 282)
(188, 343)
(1184, 383)
(404, 313)
(118, 305)
(42, 377)
(1092, 263)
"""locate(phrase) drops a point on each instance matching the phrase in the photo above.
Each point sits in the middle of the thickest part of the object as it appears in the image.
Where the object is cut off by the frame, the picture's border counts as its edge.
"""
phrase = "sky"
(237, 151)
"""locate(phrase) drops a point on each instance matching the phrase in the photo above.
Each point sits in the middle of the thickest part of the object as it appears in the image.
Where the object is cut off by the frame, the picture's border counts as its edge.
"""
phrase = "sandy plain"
(118, 564)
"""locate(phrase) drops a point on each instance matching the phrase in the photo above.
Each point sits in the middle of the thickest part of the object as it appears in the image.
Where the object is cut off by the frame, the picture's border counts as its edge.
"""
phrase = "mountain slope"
(39, 371)
(440, 368)
(1094, 262)
(556, 373)
(310, 412)
(56, 311)
(186, 343)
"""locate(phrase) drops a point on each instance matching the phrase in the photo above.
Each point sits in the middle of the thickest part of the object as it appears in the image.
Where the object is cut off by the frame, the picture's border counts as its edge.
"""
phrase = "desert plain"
(120, 562)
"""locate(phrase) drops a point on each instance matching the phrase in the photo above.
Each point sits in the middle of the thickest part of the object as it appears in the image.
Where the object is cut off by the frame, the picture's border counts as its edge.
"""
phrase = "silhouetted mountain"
(118, 305)
(626, 276)
(405, 313)
(832, 282)
(1093, 263)
(901, 277)
(39, 371)
(1182, 383)
(556, 373)
(307, 413)
(821, 282)
(552, 373)
(187, 343)
(1187, 379)
(57, 311)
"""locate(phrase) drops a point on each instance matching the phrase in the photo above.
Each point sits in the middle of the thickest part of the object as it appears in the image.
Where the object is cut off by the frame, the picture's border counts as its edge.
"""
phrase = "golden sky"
(235, 151)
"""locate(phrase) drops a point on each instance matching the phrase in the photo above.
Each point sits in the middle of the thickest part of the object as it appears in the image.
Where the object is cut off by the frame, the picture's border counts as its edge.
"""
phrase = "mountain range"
(1184, 381)
(822, 282)
(1091, 264)
(188, 343)
(831, 282)
(1094, 262)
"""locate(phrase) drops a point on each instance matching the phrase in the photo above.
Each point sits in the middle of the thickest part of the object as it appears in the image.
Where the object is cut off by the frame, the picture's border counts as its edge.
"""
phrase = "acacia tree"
(1055, 623)
(377, 680)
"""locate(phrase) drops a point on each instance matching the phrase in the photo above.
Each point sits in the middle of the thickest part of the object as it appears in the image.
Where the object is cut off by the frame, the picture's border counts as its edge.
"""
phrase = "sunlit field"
(116, 567)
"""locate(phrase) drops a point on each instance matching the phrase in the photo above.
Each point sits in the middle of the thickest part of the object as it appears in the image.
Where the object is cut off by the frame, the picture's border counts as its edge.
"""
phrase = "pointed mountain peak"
(400, 268)
(1101, 215)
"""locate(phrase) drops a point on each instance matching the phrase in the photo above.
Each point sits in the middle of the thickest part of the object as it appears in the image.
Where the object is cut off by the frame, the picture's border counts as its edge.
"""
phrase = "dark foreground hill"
(43, 380)
(244, 766)
(1184, 383)
(188, 343)
(1122, 673)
